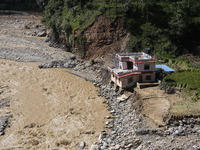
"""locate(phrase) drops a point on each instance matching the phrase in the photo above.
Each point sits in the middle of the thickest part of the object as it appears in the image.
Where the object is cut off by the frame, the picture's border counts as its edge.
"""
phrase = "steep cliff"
(104, 38)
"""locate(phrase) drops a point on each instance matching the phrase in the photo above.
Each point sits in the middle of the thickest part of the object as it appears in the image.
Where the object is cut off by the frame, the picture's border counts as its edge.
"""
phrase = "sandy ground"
(51, 108)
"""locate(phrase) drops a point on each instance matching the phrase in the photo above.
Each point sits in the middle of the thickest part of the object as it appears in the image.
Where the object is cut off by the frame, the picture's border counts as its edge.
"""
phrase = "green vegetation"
(180, 63)
(166, 27)
(189, 80)
(189, 84)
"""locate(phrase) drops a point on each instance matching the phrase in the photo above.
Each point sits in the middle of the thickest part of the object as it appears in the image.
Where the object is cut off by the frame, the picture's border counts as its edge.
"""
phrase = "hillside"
(97, 28)
(166, 27)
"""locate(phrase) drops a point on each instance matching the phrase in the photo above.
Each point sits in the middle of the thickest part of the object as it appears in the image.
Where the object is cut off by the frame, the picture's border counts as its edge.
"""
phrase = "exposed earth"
(156, 103)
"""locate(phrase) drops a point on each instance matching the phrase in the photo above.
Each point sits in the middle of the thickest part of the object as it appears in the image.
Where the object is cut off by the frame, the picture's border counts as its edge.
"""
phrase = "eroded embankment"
(104, 38)
(51, 108)
(64, 115)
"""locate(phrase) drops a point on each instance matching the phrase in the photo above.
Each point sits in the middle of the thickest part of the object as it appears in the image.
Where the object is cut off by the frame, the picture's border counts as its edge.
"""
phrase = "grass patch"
(189, 82)
(185, 108)
(178, 63)
(190, 79)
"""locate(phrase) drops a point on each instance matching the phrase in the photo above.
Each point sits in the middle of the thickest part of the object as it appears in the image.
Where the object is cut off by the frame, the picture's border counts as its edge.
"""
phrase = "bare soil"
(105, 39)
(156, 104)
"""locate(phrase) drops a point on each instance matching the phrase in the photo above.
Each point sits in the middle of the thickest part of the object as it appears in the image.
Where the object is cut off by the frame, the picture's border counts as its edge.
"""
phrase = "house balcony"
(121, 73)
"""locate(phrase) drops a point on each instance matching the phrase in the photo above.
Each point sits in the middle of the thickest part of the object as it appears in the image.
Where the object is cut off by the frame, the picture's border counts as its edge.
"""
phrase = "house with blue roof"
(130, 68)
(165, 68)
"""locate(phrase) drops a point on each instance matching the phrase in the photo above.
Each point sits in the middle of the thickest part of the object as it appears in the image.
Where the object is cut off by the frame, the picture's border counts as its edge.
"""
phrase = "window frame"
(148, 77)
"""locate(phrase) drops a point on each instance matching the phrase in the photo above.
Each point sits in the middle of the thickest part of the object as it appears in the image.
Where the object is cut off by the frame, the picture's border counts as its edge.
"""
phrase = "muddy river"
(51, 108)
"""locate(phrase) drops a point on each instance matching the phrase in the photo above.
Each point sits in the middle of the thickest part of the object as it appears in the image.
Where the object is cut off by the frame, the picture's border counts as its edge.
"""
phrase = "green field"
(189, 83)
(191, 80)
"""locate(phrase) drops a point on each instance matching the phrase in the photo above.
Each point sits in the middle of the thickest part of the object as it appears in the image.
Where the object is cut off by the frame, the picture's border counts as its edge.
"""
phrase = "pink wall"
(123, 82)
(140, 67)
(137, 67)
(153, 77)
(116, 80)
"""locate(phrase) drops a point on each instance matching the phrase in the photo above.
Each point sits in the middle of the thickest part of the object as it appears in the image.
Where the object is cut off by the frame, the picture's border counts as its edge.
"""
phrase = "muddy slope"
(105, 38)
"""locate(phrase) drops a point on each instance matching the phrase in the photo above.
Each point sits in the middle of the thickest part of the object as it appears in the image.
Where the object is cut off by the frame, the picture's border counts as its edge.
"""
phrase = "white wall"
(123, 65)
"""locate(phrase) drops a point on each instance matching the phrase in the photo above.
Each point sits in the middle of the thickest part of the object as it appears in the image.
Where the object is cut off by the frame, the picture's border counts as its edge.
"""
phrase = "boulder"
(122, 98)
(81, 145)
(41, 34)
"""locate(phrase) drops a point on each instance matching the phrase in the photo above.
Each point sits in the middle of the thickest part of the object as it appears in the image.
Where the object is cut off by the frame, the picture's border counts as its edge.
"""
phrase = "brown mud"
(105, 38)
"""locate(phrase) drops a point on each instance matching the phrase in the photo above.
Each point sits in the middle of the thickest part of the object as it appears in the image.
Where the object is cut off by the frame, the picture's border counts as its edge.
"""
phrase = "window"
(146, 66)
(148, 77)
(130, 80)
(130, 65)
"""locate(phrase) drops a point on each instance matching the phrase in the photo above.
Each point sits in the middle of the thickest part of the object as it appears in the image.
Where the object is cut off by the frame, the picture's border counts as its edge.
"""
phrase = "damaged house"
(130, 68)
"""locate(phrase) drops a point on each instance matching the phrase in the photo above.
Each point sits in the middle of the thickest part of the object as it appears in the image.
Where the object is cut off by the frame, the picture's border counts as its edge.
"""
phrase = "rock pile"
(122, 124)
(3, 123)
(127, 130)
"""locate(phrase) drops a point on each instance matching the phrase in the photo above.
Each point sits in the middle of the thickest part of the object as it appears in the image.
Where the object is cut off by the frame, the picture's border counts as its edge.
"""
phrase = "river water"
(51, 108)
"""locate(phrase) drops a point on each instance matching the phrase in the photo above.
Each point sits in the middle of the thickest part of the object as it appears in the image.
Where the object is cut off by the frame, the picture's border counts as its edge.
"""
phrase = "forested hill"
(163, 26)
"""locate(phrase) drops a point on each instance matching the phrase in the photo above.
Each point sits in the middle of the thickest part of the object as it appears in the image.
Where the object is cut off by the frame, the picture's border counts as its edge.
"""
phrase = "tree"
(67, 28)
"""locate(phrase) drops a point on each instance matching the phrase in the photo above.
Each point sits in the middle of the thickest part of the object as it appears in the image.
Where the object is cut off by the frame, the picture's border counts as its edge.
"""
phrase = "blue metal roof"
(165, 68)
